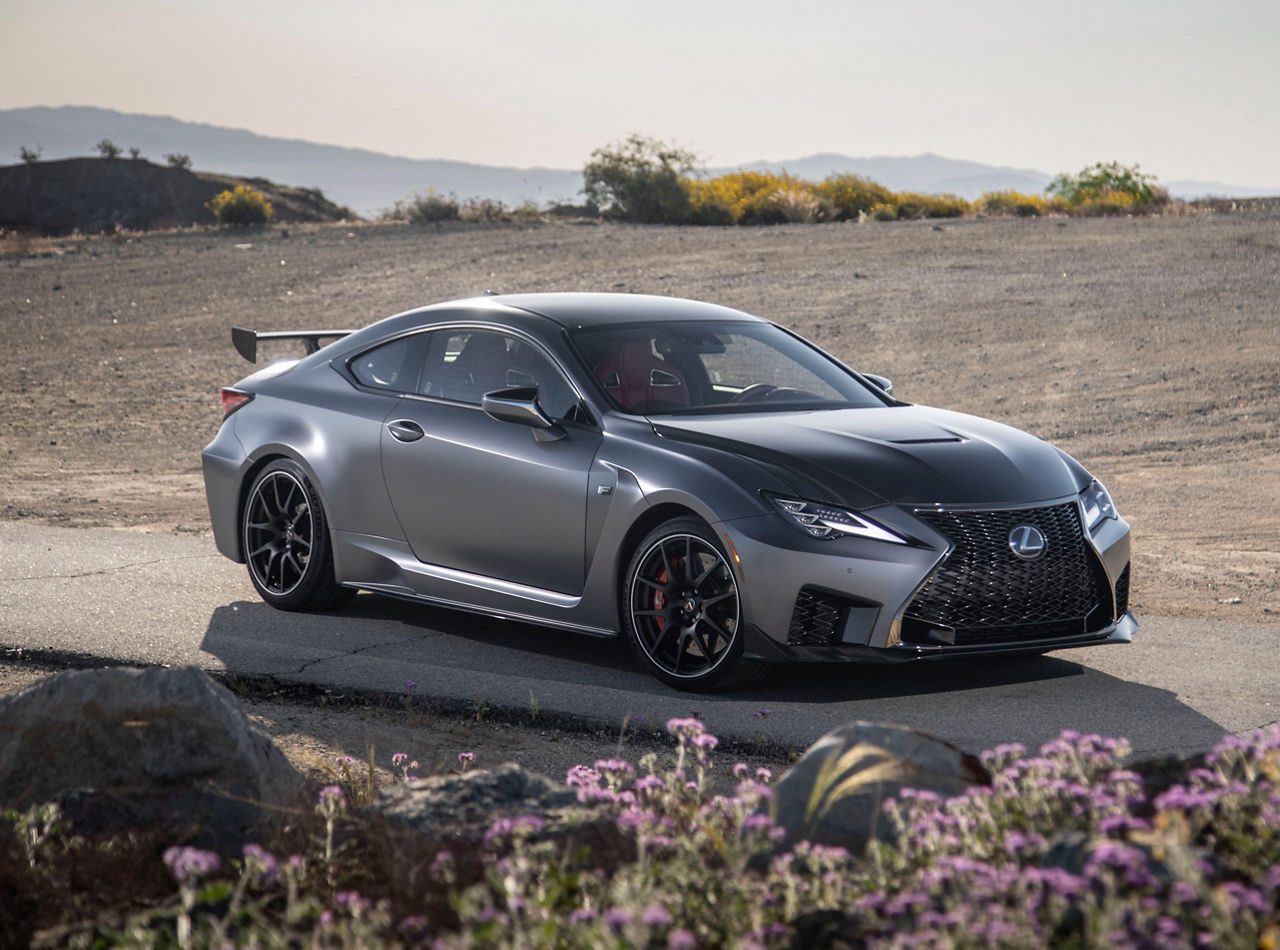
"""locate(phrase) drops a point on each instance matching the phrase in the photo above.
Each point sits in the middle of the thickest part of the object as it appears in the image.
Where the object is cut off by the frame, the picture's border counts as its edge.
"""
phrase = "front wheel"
(681, 610)
(286, 541)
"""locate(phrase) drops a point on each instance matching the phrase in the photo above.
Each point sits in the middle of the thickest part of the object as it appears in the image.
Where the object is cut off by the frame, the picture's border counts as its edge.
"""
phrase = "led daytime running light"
(826, 521)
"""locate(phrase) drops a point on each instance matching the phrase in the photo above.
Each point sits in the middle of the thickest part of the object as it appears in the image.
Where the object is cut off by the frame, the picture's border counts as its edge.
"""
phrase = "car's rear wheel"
(286, 541)
(681, 610)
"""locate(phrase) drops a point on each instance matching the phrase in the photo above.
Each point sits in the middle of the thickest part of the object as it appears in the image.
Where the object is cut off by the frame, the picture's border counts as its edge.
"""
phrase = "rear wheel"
(286, 541)
(681, 609)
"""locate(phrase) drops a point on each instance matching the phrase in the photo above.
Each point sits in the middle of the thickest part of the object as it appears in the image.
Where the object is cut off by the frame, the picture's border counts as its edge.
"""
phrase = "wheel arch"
(255, 467)
(649, 519)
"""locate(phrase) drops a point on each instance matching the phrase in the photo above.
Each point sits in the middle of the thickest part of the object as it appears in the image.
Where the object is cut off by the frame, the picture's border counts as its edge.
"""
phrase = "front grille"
(987, 594)
(816, 619)
(1122, 592)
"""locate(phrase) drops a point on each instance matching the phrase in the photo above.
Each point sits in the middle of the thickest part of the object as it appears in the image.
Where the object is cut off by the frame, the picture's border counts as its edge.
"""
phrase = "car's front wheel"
(681, 610)
(286, 541)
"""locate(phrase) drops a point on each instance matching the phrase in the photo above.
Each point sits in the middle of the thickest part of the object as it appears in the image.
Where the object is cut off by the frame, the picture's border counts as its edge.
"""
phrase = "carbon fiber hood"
(904, 455)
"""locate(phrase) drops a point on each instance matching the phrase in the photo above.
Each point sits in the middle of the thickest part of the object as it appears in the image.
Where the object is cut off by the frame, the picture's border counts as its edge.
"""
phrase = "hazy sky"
(1188, 89)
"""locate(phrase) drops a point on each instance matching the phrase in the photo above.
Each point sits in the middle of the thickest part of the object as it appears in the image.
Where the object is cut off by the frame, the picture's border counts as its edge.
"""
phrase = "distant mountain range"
(369, 182)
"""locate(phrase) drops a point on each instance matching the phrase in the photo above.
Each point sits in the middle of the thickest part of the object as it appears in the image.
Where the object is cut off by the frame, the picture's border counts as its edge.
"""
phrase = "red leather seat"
(639, 379)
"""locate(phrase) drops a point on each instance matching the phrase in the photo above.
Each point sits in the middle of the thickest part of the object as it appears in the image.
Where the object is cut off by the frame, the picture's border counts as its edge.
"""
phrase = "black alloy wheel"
(683, 616)
(286, 541)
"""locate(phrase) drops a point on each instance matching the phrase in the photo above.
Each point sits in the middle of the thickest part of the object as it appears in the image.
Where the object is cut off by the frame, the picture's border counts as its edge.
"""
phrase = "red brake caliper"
(660, 599)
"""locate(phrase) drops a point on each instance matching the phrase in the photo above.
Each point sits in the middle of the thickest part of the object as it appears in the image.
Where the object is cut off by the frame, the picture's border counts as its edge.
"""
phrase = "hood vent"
(938, 441)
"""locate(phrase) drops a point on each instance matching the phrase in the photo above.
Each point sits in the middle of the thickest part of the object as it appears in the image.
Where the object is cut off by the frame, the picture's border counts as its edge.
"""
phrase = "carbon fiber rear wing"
(246, 341)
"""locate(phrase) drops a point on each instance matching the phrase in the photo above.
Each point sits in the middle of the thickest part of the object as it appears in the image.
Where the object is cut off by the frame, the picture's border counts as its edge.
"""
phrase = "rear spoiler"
(246, 341)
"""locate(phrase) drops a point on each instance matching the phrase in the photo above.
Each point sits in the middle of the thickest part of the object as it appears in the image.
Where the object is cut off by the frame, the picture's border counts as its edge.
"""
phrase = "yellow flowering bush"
(240, 206)
(852, 195)
(1018, 204)
(912, 205)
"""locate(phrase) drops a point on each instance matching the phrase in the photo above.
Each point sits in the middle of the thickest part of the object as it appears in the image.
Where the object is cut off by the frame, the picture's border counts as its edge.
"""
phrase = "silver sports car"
(705, 483)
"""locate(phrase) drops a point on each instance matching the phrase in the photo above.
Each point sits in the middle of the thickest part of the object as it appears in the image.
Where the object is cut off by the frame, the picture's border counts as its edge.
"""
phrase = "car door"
(482, 496)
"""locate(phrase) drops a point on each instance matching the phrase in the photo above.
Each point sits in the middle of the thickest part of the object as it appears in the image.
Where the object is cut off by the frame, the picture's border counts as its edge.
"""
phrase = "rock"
(122, 748)
(455, 812)
(835, 794)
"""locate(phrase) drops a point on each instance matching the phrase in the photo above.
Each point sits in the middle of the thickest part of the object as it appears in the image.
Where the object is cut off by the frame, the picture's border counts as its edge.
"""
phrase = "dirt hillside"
(1148, 348)
(92, 195)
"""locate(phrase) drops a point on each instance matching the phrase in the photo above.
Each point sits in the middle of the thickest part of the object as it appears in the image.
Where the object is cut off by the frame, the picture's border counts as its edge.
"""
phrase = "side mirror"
(519, 404)
(882, 381)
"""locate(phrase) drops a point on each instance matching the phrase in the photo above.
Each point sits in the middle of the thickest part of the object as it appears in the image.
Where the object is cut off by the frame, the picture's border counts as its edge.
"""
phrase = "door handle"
(402, 430)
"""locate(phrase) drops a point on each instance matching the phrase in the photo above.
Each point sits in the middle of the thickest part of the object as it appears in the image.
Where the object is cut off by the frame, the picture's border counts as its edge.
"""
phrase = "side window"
(463, 365)
(392, 366)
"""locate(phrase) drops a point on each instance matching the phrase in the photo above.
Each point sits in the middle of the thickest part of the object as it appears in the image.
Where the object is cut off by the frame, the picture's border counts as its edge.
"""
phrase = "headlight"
(1097, 505)
(826, 521)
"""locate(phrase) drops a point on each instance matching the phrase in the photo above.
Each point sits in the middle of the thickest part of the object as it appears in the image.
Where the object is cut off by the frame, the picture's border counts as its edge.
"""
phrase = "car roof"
(581, 310)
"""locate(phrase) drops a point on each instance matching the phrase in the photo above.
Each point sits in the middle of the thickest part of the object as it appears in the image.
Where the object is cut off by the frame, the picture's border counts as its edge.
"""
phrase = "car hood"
(897, 455)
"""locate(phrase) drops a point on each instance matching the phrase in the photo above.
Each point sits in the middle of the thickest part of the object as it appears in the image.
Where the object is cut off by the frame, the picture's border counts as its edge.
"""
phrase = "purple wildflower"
(681, 939)
(261, 862)
(189, 864)
(655, 915)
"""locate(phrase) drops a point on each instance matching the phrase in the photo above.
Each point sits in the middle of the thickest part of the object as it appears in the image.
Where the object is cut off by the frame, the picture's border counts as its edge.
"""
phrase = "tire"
(286, 541)
(681, 612)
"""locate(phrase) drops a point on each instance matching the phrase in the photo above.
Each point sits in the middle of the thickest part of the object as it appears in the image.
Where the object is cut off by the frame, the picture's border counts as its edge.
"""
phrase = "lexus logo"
(1027, 541)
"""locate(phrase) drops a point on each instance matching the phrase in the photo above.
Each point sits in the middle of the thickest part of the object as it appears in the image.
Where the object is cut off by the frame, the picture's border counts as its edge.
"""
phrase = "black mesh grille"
(1122, 592)
(816, 619)
(987, 594)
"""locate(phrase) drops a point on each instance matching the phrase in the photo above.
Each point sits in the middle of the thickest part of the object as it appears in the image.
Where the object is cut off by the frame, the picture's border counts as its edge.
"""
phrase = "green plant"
(108, 149)
(179, 161)
(1099, 182)
(30, 155)
(135, 153)
(640, 180)
(240, 207)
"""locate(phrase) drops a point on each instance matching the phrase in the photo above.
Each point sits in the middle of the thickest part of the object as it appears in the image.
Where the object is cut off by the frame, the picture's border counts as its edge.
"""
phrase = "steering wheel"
(754, 393)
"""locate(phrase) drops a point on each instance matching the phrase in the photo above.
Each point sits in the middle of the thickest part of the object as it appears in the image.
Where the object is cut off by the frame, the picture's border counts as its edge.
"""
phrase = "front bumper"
(858, 594)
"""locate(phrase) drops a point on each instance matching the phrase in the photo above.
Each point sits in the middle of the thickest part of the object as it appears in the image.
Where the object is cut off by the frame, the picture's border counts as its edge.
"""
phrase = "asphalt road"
(168, 599)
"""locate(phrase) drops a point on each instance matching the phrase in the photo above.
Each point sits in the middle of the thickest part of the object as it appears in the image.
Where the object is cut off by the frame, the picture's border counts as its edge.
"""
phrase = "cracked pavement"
(126, 595)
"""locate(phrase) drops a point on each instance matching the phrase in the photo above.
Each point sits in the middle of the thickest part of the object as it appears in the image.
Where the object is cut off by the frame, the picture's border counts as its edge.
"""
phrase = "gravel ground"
(1148, 348)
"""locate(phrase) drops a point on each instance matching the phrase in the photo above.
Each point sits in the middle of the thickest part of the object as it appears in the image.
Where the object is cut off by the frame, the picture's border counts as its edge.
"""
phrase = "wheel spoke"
(662, 549)
(707, 655)
(709, 601)
(717, 628)
(688, 558)
(660, 588)
(702, 578)
(275, 490)
(648, 613)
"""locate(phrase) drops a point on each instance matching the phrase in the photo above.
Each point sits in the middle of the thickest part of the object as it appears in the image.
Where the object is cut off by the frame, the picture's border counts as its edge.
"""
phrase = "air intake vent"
(817, 619)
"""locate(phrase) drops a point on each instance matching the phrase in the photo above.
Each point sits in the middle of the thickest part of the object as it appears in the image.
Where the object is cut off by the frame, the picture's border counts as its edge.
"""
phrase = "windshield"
(715, 368)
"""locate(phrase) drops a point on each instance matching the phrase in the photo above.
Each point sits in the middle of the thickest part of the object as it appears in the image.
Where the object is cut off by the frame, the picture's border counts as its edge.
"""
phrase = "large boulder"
(456, 813)
(122, 748)
(835, 794)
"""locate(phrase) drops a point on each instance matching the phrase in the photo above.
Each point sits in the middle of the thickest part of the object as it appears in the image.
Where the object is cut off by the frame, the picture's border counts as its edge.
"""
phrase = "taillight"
(233, 399)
